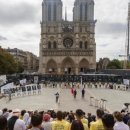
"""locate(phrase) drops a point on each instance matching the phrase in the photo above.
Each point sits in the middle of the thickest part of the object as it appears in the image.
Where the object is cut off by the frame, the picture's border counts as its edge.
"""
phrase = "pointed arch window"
(54, 45)
(80, 44)
(86, 45)
(49, 45)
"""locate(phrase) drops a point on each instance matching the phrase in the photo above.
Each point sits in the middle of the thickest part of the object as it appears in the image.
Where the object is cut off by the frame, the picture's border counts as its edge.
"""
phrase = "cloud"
(110, 28)
(31, 34)
(2, 38)
(103, 45)
(20, 13)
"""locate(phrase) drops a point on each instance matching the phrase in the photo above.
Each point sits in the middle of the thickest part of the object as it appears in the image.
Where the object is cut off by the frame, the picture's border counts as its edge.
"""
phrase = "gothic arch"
(49, 45)
(80, 44)
(86, 45)
(68, 66)
(83, 65)
(51, 67)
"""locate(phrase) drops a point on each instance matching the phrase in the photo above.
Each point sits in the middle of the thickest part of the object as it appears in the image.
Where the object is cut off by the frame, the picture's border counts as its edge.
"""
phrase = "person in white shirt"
(119, 125)
(15, 123)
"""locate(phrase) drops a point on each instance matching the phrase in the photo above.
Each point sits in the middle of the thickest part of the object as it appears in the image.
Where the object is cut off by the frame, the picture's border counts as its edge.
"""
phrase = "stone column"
(77, 70)
(59, 68)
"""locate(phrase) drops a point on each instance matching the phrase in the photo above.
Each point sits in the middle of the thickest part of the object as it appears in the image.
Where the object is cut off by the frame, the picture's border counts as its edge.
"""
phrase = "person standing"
(57, 97)
(98, 125)
(46, 124)
(59, 123)
(75, 93)
(80, 123)
(36, 122)
(3, 123)
(14, 123)
(83, 92)
(108, 122)
(119, 125)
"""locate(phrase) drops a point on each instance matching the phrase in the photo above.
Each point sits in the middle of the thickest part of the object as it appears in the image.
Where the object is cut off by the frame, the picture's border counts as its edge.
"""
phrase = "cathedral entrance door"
(69, 70)
(68, 66)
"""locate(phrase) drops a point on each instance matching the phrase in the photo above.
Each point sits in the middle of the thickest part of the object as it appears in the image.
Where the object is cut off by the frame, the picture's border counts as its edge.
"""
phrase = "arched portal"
(83, 66)
(51, 67)
(68, 66)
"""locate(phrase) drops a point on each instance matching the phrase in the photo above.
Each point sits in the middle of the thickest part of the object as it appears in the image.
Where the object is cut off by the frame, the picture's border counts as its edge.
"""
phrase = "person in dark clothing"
(77, 125)
(3, 123)
(75, 93)
(83, 93)
(36, 121)
(108, 121)
(57, 97)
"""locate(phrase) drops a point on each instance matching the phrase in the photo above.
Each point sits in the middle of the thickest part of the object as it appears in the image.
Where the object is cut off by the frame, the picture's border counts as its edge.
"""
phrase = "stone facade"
(67, 47)
(29, 61)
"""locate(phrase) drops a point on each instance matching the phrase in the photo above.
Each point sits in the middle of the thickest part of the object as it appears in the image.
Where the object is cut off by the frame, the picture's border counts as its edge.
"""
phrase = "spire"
(65, 14)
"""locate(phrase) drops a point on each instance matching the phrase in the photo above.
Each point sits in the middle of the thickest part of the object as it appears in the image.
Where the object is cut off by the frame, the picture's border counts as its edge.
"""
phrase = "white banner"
(126, 81)
(22, 82)
(35, 79)
(7, 86)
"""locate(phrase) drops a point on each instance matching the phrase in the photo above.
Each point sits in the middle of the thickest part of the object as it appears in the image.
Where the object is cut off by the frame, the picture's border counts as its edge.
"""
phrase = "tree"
(8, 65)
(114, 64)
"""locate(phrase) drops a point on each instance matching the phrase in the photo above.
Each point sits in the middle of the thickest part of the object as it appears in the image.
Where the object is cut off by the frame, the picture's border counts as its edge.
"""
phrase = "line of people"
(74, 92)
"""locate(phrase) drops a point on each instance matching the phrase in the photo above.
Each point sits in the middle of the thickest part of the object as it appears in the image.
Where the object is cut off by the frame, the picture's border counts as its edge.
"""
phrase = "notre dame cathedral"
(67, 47)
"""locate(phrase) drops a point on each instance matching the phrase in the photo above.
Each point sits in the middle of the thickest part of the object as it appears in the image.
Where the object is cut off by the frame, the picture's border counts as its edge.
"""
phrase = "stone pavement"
(115, 98)
(46, 100)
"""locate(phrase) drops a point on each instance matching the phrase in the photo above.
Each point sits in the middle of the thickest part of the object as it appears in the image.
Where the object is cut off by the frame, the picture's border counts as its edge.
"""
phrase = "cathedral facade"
(67, 47)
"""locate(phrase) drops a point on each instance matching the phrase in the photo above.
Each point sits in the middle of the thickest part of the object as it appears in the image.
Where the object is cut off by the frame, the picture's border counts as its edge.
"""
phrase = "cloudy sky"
(20, 25)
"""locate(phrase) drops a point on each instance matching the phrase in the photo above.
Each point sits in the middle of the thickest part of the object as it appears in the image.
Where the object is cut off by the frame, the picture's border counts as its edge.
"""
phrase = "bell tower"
(51, 10)
(83, 10)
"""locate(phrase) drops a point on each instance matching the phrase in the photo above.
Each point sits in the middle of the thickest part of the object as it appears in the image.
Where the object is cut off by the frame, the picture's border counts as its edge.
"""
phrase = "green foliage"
(115, 64)
(7, 63)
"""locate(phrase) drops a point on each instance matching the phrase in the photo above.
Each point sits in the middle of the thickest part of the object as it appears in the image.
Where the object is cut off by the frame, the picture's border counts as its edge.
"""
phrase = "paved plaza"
(115, 98)
(46, 100)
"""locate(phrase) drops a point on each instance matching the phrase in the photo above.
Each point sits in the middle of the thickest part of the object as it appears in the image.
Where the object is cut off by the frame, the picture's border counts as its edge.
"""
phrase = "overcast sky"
(20, 25)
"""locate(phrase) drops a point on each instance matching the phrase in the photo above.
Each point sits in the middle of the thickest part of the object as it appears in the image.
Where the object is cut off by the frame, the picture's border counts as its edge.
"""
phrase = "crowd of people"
(51, 120)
